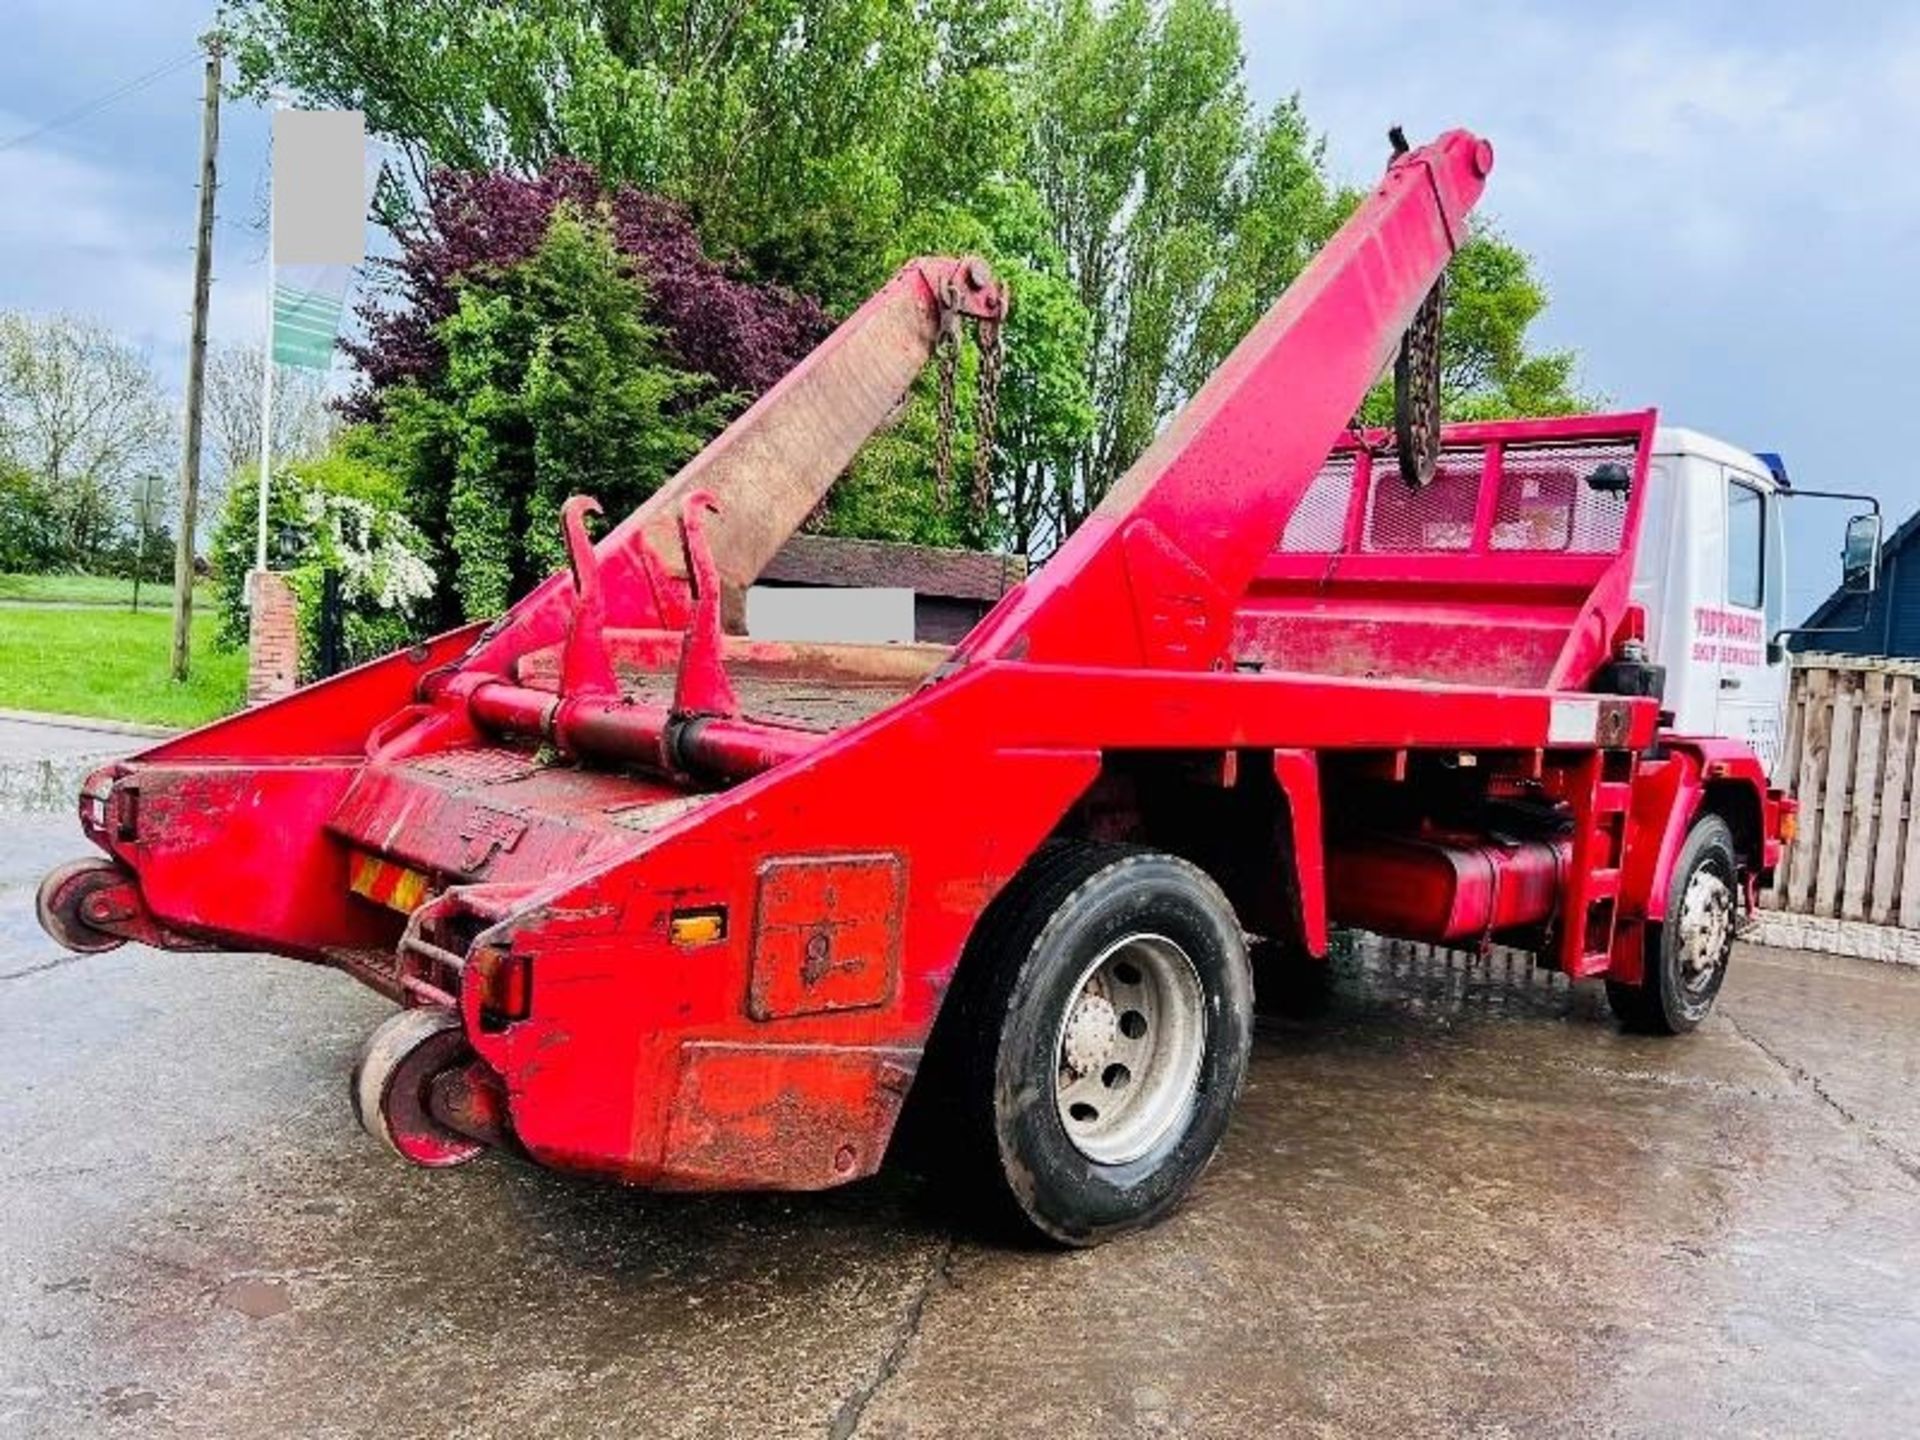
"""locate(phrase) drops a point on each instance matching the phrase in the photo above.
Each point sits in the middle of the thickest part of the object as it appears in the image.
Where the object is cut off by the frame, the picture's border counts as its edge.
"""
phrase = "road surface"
(1462, 1202)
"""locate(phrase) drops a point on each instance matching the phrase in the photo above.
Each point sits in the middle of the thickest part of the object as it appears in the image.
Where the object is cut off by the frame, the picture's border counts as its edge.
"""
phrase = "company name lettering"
(1711, 622)
(1713, 626)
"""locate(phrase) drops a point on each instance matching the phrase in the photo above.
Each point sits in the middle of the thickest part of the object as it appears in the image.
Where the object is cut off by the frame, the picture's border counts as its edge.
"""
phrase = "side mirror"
(1611, 478)
(1860, 556)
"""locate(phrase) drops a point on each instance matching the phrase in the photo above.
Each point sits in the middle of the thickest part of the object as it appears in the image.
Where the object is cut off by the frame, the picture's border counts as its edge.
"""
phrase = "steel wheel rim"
(1706, 931)
(1129, 1047)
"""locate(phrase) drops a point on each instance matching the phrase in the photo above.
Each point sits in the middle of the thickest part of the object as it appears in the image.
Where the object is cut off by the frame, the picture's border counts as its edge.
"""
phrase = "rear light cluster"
(1787, 810)
(505, 978)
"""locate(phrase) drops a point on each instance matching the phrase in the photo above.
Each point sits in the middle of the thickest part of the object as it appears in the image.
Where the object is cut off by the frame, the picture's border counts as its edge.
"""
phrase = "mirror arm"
(1873, 504)
(1868, 500)
(1786, 630)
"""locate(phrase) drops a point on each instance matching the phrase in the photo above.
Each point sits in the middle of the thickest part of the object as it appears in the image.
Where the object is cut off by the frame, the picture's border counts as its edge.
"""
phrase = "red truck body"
(697, 900)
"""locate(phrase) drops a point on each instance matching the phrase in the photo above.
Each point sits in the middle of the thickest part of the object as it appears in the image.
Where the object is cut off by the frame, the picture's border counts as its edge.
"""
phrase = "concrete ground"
(1461, 1203)
(45, 759)
(21, 738)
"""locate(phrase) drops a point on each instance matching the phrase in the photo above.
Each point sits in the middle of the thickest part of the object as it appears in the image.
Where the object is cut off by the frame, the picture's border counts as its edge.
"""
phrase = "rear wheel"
(1686, 955)
(1106, 1027)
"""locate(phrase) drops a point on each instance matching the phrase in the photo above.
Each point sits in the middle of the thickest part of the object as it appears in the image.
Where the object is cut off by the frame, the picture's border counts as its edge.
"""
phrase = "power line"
(101, 102)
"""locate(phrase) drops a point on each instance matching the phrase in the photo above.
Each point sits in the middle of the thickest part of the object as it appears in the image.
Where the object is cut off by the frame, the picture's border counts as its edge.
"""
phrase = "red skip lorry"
(693, 910)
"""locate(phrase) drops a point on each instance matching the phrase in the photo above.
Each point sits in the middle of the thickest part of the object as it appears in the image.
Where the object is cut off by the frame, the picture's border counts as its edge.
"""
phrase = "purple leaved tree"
(742, 334)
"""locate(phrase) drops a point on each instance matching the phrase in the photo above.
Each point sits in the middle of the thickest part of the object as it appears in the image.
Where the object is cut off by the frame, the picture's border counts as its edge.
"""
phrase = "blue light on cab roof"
(1776, 467)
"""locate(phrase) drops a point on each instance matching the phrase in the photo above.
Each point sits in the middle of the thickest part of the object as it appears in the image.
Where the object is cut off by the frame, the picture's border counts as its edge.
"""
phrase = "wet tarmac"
(1461, 1202)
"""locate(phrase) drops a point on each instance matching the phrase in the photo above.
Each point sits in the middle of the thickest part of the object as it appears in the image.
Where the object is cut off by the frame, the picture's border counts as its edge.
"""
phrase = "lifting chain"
(992, 346)
(1416, 391)
(946, 355)
(986, 422)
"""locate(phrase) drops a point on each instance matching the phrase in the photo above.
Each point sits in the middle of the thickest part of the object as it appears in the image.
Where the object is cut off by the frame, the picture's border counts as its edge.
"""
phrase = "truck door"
(1676, 575)
(1752, 686)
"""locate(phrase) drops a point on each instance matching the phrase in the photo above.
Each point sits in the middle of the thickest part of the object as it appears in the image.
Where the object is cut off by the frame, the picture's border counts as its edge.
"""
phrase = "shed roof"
(829, 560)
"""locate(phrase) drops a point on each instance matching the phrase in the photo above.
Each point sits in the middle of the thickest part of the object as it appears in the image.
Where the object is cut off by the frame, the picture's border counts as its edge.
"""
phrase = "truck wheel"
(1107, 1040)
(1686, 955)
(391, 1080)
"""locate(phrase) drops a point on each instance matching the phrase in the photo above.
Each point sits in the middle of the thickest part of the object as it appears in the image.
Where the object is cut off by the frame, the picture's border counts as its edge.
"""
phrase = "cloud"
(112, 244)
(74, 239)
(1714, 195)
(1608, 114)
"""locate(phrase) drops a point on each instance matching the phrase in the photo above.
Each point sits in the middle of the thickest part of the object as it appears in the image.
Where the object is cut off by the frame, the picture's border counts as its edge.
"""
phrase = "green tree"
(1102, 153)
(80, 411)
(1045, 412)
(30, 539)
(1180, 213)
(553, 384)
(1286, 213)
(1487, 370)
(802, 132)
(304, 420)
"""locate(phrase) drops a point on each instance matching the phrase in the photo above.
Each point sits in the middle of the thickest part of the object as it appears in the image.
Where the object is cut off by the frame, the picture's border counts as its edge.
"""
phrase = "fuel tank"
(1451, 889)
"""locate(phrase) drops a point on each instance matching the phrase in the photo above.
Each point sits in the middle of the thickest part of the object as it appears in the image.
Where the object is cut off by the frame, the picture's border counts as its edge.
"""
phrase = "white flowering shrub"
(337, 514)
(378, 554)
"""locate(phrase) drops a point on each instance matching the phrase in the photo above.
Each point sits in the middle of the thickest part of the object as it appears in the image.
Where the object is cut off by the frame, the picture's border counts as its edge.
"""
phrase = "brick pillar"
(273, 638)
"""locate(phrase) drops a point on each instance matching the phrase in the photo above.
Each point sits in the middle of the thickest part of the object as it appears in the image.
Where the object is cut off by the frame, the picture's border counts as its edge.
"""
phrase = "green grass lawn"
(113, 663)
(92, 590)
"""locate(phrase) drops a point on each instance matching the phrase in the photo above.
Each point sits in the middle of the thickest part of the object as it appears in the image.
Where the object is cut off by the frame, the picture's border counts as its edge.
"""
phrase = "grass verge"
(113, 663)
(93, 590)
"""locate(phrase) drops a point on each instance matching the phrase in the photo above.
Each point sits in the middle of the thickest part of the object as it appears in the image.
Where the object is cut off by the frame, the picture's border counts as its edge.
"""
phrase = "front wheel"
(1108, 1026)
(1686, 955)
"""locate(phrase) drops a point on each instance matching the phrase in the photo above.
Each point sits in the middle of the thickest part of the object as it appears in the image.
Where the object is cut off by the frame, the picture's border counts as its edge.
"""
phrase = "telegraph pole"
(197, 367)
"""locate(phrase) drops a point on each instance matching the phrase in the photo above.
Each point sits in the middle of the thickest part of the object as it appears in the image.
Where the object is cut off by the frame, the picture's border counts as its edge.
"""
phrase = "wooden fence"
(1853, 759)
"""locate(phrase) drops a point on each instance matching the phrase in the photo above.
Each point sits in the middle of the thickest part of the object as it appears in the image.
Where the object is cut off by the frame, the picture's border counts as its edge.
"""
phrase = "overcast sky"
(1721, 200)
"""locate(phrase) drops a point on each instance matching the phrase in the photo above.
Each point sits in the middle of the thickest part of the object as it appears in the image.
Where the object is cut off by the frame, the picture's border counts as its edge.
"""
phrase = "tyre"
(1104, 1029)
(1686, 955)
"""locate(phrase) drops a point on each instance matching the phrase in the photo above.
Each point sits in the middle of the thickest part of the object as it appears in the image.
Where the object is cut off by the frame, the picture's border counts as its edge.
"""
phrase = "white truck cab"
(1711, 572)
